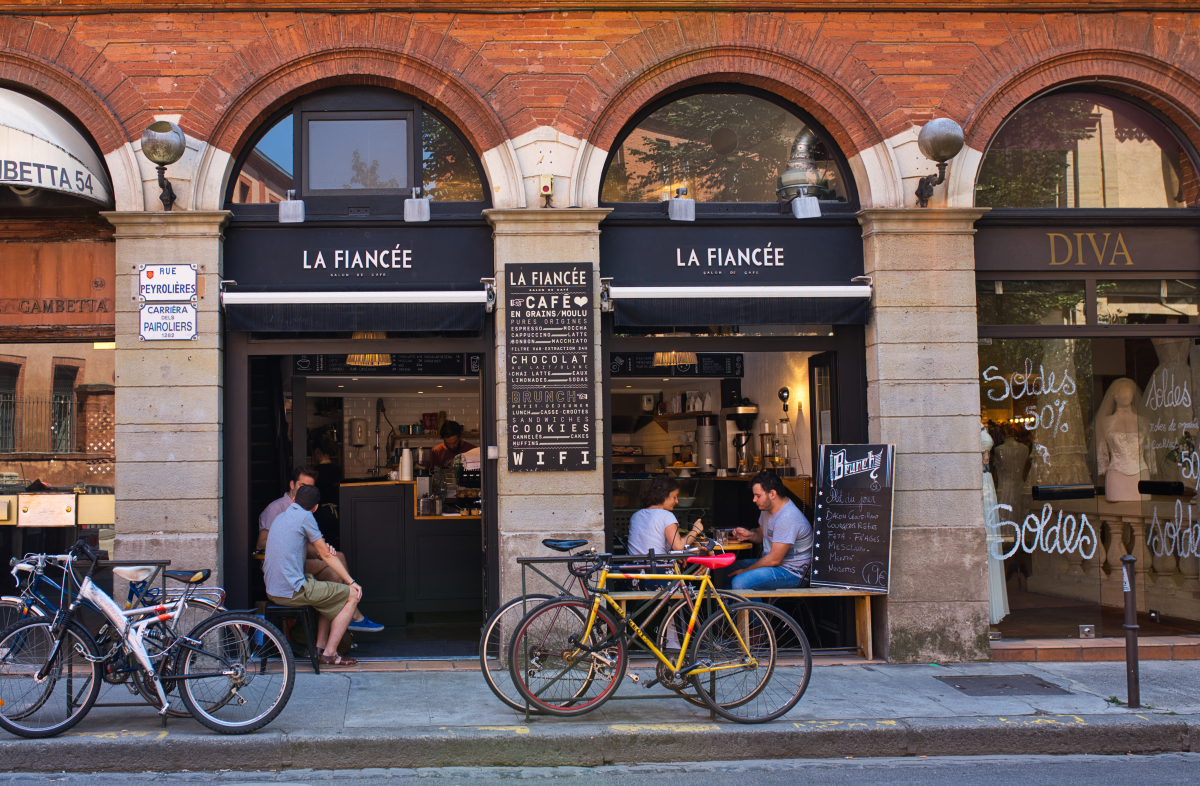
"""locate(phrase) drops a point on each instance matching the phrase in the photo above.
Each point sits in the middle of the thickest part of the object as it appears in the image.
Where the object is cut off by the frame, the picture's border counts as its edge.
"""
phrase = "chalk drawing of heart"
(581, 301)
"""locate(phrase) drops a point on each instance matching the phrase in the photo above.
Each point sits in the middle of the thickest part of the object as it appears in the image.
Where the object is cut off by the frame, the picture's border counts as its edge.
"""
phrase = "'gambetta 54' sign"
(299, 259)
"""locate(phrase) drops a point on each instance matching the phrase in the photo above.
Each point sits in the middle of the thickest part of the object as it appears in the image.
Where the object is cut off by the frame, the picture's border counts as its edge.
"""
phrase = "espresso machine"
(739, 434)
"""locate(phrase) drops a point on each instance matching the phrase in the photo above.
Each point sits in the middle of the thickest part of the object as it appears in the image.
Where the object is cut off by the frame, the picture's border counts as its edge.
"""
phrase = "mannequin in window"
(1120, 427)
(997, 591)
(1008, 466)
(1167, 404)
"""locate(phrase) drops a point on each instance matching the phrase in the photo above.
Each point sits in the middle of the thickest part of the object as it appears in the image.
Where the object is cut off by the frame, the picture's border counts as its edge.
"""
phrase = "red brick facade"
(866, 75)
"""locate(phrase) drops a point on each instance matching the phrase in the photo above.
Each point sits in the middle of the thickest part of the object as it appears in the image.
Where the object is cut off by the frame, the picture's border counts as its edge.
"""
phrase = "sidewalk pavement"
(358, 719)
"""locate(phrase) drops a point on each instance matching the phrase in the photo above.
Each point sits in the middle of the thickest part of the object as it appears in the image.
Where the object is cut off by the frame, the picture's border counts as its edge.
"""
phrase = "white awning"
(40, 149)
(689, 293)
(352, 298)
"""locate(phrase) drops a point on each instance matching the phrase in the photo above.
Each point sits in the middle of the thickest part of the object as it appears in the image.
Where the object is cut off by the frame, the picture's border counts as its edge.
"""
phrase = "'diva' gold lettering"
(1054, 248)
(1099, 250)
(1120, 250)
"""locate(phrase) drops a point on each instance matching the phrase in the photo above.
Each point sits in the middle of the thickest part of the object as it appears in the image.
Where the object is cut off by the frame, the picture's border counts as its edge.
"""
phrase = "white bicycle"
(234, 671)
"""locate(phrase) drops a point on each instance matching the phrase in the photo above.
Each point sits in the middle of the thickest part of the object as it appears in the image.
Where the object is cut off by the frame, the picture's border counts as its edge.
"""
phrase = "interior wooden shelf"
(661, 419)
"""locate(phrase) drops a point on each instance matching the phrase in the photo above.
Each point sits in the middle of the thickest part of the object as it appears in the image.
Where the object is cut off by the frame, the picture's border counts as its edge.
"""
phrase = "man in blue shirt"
(288, 585)
(786, 538)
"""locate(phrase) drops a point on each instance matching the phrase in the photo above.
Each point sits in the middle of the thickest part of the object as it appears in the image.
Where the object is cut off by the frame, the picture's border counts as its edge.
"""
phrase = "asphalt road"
(1163, 770)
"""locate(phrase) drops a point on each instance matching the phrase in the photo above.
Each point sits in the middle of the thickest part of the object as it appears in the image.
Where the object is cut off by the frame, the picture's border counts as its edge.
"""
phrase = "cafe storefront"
(733, 339)
(353, 337)
(1087, 270)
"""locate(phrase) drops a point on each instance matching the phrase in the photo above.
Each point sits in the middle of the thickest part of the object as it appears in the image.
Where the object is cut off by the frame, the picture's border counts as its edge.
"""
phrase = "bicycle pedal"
(636, 679)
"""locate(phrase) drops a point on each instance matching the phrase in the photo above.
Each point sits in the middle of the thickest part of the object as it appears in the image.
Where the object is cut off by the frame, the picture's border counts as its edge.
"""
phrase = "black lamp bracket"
(926, 184)
(167, 197)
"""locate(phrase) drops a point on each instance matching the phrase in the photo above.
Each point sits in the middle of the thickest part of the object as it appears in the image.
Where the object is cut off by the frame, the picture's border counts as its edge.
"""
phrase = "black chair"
(307, 617)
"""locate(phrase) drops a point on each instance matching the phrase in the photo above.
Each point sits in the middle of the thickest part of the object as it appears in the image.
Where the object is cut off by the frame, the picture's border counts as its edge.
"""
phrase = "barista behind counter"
(452, 445)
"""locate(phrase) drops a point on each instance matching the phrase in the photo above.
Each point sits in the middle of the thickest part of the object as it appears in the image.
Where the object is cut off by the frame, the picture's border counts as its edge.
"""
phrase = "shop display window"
(722, 147)
(1086, 150)
(1031, 302)
(1147, 302)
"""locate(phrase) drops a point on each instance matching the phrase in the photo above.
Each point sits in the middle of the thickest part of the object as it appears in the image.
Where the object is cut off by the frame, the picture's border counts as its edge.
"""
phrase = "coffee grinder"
(739, 433)
(708, 441)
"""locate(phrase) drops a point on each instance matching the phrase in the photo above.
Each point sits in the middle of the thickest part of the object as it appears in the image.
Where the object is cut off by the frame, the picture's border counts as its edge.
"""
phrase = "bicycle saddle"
(134, 574)
(563, 545)
(714, 562)
(189, 576)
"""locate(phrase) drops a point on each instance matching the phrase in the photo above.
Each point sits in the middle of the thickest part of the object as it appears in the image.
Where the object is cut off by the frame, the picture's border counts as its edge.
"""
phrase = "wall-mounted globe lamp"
(940, 140)
(163, 143)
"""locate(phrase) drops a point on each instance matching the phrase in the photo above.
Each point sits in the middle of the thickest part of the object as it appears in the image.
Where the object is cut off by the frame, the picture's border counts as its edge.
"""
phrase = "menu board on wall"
(708, 364)
(551, 377)
(852, 544)
(443, 364)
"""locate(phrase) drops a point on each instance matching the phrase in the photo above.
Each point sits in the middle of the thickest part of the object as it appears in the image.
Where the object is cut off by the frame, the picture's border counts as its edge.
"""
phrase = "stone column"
(923, 396)
(537, 505)
(168, 400)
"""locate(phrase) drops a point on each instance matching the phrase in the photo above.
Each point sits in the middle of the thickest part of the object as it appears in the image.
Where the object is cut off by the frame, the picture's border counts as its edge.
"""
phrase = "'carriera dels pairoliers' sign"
(689, 255)
(1094, 248)
(320, 259)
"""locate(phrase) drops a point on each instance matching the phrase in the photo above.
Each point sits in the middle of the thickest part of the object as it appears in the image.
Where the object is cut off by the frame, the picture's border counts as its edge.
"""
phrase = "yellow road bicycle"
(748, 662)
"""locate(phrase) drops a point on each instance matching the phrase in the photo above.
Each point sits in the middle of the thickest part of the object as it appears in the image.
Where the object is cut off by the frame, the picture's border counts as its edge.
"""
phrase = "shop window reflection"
(1147, 302)
(266, 175)
(723, 148)
(1108, 413)
(449, 172)
(1086, 150)
(357, 155)
(1030, 302)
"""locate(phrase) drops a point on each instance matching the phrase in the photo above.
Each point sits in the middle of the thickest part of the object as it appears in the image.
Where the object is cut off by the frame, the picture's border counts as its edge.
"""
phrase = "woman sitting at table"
(655, 527)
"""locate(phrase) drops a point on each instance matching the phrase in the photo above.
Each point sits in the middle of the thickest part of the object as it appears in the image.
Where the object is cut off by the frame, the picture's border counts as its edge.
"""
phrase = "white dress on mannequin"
(1008, 465)
(997, 591)
(1121, 430)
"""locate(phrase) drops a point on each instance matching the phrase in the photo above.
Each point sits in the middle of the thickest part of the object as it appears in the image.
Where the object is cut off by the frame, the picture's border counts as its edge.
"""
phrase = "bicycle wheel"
(242, 676)
(493, 647)
(551, 670)
(12, 611)
(29, 708)
(158, 637)
(671, 634)
(748, 693)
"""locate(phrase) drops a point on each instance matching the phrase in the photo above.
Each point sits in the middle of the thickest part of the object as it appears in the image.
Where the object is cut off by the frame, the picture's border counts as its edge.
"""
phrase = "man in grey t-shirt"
(786, 538)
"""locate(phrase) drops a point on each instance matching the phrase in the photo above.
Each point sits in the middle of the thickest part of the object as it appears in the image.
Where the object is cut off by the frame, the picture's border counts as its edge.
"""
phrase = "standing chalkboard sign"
(852, 545)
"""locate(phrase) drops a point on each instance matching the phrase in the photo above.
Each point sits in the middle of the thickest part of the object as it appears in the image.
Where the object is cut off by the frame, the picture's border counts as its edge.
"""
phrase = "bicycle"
(234, 670)
(37, 592)
(497, 631)
(568, 656)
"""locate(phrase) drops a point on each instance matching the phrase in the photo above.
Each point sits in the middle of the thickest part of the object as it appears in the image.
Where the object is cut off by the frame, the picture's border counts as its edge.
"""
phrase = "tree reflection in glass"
(721, 147)
(449, 172)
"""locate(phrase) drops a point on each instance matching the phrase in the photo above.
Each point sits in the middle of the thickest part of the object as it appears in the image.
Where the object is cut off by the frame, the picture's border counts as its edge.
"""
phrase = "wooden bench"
(862, 606)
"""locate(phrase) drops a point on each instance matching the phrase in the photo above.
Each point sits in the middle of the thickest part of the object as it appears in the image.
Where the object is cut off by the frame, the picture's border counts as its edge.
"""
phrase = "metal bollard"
(1132, 685)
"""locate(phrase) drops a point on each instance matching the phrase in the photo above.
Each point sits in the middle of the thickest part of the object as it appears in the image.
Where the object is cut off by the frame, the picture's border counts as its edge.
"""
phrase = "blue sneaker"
(365, 625)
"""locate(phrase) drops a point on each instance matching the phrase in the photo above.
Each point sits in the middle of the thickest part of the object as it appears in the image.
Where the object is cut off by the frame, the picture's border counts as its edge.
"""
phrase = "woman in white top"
(655, 527)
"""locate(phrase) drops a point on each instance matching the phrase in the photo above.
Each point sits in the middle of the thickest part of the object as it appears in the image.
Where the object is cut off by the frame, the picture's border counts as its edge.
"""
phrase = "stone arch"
(829, 101)
(84, 83)
(242, 114)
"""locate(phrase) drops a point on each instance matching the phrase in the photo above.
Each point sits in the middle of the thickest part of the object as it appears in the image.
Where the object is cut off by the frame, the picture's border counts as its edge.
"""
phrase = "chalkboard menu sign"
(708, 364)
(551, 377)
(852, 547)
(442, 364)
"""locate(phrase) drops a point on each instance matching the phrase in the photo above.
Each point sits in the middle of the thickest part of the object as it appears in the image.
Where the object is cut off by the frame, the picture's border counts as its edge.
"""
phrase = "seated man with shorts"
(288, 584)
(786, 538)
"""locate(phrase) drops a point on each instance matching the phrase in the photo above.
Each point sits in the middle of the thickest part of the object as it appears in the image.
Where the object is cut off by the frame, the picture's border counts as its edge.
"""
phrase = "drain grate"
(1004, 685)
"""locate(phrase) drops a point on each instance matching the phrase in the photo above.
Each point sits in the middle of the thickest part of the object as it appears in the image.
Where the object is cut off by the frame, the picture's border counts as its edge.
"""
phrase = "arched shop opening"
(57, 317)
(358, 328)
(734, 324)
(1087, 273)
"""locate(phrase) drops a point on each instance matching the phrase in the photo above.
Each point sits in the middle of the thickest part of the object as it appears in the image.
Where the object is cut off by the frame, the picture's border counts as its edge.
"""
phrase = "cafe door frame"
(238, 526)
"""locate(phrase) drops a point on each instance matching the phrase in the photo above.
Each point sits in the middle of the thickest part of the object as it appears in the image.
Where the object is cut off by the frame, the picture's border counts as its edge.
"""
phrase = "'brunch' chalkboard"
(551, 368)
(852, 546)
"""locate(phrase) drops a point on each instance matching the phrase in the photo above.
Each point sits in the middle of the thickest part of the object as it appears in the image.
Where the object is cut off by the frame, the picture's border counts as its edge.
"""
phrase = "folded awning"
(310, 312)
(40, 149)
(753, 305)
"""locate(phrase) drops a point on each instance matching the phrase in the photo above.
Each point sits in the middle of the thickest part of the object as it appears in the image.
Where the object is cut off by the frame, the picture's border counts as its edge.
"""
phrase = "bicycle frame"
(627, 619)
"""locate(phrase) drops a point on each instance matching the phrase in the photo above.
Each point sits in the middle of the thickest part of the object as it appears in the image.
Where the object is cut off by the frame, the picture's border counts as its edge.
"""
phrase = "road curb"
(546, 743)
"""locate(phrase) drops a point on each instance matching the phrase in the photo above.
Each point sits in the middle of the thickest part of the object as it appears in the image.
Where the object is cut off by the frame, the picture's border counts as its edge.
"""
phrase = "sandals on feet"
(337, 660)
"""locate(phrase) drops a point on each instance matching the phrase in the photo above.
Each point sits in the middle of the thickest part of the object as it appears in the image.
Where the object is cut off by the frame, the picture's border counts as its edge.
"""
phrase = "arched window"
(723, 146)
(1089, 150)
(360, 149)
